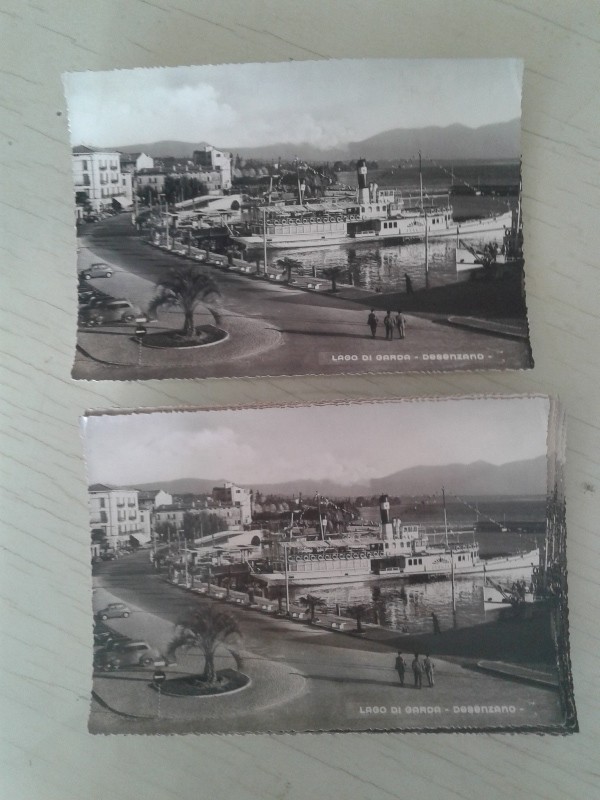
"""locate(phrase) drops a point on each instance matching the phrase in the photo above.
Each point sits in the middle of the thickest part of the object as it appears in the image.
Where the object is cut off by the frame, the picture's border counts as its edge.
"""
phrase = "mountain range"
(479, 478)
(500, 140)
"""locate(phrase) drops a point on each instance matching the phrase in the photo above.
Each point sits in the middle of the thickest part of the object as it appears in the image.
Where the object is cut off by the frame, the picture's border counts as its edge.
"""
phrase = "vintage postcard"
(391, 566)
(299, 218)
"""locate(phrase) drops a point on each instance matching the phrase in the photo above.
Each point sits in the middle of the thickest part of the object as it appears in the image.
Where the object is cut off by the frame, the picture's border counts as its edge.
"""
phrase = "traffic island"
(226, 681)
(205, 336)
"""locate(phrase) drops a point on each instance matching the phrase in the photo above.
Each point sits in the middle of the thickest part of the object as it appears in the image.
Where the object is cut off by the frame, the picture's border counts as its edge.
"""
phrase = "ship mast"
(421, 180)
(445, 515)
(320, 518)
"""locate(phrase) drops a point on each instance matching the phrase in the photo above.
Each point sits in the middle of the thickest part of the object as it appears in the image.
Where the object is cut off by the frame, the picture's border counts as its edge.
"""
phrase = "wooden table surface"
(45, 556)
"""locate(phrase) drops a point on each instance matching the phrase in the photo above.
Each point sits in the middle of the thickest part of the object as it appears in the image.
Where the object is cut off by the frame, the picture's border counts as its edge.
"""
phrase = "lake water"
(376, 265)
(407, 606)
(373, 266)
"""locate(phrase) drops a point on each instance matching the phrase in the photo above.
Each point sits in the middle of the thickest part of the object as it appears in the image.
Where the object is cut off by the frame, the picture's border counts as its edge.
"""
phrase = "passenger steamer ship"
(399, 551)
(375, 214)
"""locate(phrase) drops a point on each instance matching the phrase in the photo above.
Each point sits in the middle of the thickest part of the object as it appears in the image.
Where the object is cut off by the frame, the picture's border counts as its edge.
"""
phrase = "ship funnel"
(384, 509)
(361, 172)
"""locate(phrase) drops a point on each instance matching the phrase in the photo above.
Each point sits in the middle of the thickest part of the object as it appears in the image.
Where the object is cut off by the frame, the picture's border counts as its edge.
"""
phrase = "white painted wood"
(45, 573)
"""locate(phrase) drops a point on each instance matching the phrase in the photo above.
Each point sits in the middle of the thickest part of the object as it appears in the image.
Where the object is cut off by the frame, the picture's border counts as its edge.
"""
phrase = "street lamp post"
(185, 556)
(265, 239)
(287, 580)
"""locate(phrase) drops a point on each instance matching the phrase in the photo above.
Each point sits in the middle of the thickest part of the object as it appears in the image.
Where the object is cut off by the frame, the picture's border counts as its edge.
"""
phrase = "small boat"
(497, 597)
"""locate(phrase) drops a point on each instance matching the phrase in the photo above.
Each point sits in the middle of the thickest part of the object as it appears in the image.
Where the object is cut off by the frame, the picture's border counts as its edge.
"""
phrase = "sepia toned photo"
(394, 566)
(298, 218)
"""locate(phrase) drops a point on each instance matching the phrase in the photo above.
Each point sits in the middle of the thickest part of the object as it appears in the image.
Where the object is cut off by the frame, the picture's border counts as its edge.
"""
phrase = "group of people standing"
(418, 667)
(391, 323)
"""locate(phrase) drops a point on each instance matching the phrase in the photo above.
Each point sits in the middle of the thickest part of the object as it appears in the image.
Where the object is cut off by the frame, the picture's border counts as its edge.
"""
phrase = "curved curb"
(215, 696)
(183, 348)
(108, 707)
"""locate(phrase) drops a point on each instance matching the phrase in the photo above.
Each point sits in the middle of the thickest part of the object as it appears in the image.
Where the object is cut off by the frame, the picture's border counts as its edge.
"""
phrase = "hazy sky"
(322, 102)
(344, 443)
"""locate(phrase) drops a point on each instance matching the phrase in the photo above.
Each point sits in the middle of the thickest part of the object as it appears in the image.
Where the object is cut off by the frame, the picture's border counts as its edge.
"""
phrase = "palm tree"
(358, 613)
(333, 273)
(312, 604)
(288, 264)
(206, 629)
(185, 288)
(277, 592)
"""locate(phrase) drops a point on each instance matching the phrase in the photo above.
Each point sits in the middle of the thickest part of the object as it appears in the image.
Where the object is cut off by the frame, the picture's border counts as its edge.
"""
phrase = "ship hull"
(410, 231)
(522, 562)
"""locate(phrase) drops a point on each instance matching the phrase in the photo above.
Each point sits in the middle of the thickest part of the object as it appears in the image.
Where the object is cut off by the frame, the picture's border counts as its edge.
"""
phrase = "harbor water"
(376, 266)
(382, 267)
(408, 606)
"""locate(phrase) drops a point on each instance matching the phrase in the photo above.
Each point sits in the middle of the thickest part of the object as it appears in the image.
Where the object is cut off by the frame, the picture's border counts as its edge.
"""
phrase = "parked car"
(129, 654)
(113, 610)
(110, 311)
(107, 640)
(98, 301)
(85, 296)
(97, 270)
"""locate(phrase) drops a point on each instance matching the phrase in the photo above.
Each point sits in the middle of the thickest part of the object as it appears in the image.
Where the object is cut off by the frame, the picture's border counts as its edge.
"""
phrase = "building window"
(84, 166)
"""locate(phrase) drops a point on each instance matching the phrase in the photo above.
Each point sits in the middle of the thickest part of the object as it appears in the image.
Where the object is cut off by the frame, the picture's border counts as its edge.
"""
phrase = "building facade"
(232, 497)
(98, 180)
(115, 518)
(152, 178)
(134, 162)
(215, 161)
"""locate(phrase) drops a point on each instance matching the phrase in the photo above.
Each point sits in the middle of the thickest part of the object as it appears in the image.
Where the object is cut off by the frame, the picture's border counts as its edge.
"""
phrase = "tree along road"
(303, 678)
(275, 330)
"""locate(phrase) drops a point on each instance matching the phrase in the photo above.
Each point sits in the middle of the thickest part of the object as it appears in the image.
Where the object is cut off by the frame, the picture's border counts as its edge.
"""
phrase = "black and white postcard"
(298, 218)
(392, 566)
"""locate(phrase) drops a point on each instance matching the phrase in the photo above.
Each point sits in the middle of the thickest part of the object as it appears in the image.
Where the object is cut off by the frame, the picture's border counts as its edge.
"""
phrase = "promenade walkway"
(306, 677)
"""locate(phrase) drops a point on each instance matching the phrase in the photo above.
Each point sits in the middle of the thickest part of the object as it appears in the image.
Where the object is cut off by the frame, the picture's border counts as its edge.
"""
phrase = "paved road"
(273, 330)
(303, 678)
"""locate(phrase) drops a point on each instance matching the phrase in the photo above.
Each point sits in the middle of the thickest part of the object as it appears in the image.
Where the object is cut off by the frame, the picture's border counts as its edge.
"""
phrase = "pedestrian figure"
(389, 325)
(436, 623)
(429, 667)
(408, 281)
(417, 669)
(400, 323)
(400, 667)
(372, 322)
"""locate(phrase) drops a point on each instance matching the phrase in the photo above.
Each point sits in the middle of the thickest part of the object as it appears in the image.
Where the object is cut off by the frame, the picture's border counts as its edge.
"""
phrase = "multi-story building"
(134, 162)
(230, 496)
(153, 498)
(153, 178)
(115, 518)
(215, 161)
(98, 180)
(173, 515)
